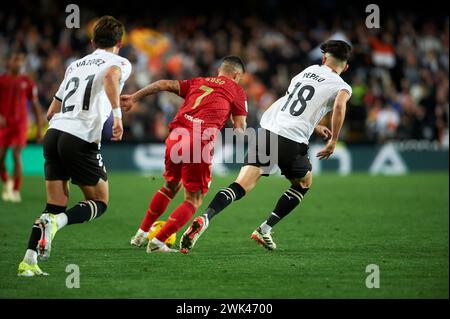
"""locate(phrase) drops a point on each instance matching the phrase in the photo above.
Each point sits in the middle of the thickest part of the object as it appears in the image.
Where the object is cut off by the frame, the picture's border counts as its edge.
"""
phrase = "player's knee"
(173, 187)
(195, 199)
(16, 155)
(302, 183)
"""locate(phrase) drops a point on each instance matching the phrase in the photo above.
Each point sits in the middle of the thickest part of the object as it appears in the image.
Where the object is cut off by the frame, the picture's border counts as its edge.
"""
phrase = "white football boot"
(192, 234)
(265, 240)
(15, 197)
(140, 239)
(155, 246)
(7, 190)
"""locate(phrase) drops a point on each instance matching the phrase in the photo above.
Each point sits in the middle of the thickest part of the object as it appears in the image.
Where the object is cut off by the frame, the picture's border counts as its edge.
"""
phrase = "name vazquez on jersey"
(85, 106)
(310, 96)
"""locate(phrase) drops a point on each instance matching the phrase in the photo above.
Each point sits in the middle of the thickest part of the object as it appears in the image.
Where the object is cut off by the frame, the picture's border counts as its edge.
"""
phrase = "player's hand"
(117, 129)
(327, 151)
(2, 122)
(50, 115)
(39, 137)
(323, 132)
(127, 102)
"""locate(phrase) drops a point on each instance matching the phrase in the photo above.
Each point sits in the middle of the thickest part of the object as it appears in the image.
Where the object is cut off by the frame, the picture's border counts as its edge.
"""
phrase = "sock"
(157, 206)
(85, 211)
(224, 198)
(36, 232)
(61, 220)
(4, 175)
(287, 202)
(17, 183)
(179, 217)
(30, 257)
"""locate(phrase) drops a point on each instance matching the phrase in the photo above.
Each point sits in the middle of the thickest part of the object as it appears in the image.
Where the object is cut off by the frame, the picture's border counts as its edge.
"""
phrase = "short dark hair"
(234, 61)
(339, 49)
(108, 31)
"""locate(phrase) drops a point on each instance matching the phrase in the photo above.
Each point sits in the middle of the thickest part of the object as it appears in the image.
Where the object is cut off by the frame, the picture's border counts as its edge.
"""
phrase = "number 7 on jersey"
(207, 91)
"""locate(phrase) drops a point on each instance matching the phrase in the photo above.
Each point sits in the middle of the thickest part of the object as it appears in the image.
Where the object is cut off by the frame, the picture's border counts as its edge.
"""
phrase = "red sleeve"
(32, 89)
(184, 87)
(239, 105)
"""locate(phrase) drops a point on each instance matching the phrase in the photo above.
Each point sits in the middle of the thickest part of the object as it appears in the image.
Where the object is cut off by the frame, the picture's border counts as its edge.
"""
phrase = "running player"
(289, 122)
(16, 90)
(208, 103)
(90, 89)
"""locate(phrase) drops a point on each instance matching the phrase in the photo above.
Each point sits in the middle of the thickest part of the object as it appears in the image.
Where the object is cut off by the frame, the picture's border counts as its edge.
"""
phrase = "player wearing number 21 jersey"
(288, 124)
(87, 95)
(208, 103)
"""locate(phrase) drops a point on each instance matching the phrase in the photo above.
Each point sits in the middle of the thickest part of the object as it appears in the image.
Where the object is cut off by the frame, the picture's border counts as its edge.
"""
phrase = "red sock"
(4, 176)
(177, 219)
(17, 183)
(156, 208)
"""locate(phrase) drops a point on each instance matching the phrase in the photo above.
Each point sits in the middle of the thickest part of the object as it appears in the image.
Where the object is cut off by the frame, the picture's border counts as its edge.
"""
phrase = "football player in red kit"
(15, 91)
(208, 103)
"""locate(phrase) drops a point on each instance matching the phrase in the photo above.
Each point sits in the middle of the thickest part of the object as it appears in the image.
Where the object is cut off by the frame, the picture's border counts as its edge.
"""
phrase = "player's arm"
(337, 120)
(55, 107)
(111, 84)
(127, 101)
(38, 115)
(239, 123)
(322, 130)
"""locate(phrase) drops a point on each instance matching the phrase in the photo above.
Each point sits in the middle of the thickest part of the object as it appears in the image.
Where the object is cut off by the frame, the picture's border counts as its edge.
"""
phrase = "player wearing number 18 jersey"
(90, 90)
(288, 124)
(208, 104)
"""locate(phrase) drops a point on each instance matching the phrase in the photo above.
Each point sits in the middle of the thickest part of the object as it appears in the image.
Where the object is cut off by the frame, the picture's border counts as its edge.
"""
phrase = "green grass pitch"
(324, 246)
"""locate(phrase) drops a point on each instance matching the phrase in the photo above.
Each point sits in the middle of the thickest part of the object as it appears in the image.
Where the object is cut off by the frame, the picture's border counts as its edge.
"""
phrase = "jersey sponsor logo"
(193, 119)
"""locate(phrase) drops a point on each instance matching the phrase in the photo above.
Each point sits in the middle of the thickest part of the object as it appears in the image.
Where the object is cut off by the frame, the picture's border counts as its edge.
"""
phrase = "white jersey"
(310, 96)
(84, 104)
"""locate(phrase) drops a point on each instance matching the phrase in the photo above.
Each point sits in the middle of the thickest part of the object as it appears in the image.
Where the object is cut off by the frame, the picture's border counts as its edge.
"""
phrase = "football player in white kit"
(288, 124)
(90, 90)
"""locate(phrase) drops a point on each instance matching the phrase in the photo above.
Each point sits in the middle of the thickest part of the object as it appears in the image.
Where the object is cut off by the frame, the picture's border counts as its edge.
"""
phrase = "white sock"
(158, 242)
(30, 257)
(206, 220)
(61, 220)
(141, 232)
(265, 228)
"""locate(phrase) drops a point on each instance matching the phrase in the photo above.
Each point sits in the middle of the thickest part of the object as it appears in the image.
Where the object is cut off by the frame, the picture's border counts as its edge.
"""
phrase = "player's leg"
(196, 178)
(57, 197)
(156, 208)
(162, 198)
(290, 199)
(7, 185)
(177, 219)
(294, 164)
(83, 163)
(17, 173)
(245, 182)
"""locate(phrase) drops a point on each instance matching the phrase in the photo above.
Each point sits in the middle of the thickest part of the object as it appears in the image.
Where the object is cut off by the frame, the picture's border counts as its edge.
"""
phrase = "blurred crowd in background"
(399, 73)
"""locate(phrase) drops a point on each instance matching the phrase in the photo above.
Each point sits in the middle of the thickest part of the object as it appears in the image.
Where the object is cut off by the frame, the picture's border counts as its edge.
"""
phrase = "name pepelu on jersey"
(84, 104)
(309, 98)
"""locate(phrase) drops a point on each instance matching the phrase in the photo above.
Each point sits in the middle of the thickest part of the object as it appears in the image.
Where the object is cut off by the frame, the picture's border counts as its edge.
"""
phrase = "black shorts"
(69, 157)
(291, 157)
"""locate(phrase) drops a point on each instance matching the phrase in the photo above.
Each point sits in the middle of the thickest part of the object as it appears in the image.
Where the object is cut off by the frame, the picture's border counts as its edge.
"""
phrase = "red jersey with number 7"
(209, 102)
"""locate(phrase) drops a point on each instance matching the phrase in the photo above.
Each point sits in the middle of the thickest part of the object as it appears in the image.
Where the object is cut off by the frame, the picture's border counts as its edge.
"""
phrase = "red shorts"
(188, 160)
(13, 136)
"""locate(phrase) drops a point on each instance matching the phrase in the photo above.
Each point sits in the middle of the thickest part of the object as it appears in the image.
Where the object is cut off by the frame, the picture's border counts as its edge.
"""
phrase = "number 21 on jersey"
(75, 83)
